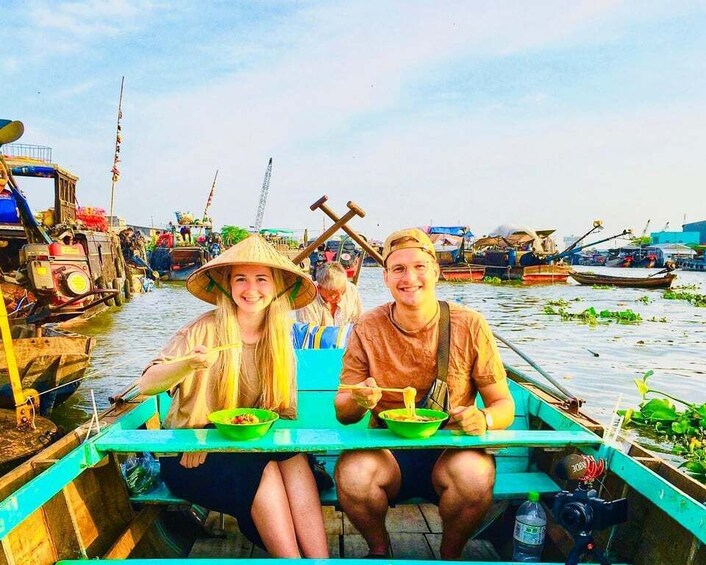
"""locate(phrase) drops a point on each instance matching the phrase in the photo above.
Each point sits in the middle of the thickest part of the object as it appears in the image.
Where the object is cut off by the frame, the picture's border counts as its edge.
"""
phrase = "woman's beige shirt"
(196, 396)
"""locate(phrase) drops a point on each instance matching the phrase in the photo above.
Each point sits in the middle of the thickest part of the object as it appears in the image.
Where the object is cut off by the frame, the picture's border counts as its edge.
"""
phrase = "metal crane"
(263, 197)
(644, 231)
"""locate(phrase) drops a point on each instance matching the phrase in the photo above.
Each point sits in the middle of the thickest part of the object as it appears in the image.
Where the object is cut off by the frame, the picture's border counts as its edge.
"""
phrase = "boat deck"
(415, 533)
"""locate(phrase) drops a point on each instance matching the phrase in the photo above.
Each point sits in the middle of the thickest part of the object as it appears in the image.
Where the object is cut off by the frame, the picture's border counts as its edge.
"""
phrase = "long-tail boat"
(664, 281)
(70, 504)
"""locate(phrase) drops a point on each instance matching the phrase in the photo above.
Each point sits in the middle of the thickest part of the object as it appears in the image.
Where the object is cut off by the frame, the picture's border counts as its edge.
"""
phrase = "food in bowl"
(243, 423)
(410, 418)
(245, 419)
(424, 424)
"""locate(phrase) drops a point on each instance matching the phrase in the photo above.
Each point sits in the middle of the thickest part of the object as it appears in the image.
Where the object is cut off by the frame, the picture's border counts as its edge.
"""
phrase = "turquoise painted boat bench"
(317, 431)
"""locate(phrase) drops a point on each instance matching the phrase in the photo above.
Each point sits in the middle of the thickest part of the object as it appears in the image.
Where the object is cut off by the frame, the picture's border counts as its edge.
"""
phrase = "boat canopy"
(459, 231)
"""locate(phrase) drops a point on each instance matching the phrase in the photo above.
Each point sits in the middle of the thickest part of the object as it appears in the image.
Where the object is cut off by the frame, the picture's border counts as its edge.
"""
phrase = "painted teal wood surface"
(685, 510)
(279, 561)
(507, 486)
(313, 440)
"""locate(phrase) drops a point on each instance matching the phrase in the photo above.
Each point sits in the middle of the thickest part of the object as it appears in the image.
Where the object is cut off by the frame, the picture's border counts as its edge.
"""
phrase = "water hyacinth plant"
(591, 317)
(686, 428)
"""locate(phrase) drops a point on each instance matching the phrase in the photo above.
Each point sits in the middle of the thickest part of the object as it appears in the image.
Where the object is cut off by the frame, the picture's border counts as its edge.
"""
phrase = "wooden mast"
(116, 157)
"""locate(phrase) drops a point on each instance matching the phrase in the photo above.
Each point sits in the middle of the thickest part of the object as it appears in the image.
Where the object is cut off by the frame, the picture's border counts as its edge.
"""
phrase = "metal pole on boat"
(20, 397)
(572, 397)
(115, 173)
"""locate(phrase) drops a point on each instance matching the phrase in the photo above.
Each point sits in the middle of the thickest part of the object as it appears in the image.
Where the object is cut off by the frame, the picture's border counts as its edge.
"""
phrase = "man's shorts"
(416, 466)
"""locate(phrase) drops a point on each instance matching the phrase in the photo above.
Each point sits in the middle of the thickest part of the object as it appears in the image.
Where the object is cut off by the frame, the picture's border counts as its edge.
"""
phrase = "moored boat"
(51, 361)
(462, 272)
(588, 278)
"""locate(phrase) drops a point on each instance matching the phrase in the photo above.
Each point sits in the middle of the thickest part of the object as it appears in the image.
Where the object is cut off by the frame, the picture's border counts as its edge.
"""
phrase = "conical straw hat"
(212, 278)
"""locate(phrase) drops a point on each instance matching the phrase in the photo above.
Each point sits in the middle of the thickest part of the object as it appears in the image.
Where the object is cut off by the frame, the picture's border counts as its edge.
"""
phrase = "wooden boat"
(51, 362)
(630, 282)
(545, 274)
(177, 263)
(693, 264)
(462, 272)
(70, 504)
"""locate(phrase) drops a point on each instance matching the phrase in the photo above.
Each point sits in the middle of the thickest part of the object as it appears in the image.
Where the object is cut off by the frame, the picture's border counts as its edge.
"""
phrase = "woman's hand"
(192, 460)
(368, 395)
(202, 358)
(469, 419)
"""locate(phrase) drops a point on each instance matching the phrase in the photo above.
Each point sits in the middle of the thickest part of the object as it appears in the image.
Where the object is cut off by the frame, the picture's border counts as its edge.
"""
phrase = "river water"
(598, 363)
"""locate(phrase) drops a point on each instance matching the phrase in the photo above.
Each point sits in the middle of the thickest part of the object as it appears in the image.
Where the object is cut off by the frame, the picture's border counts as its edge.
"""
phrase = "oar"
(541, 371)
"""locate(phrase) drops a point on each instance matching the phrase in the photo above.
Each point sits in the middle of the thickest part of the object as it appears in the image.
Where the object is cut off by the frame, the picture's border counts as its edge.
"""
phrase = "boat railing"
(40, 153)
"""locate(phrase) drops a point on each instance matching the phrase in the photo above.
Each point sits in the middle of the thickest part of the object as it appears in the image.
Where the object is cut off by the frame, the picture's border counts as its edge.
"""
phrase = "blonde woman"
(273, 495)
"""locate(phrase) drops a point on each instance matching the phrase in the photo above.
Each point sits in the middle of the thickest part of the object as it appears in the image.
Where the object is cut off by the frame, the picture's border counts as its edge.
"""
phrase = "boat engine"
(59, 274)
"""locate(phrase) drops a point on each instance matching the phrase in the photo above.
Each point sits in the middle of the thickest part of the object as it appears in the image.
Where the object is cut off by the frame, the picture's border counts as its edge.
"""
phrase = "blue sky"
(548, 114)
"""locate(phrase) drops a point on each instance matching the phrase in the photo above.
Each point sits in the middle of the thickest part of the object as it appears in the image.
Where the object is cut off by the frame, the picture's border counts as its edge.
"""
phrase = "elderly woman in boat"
(273, 495)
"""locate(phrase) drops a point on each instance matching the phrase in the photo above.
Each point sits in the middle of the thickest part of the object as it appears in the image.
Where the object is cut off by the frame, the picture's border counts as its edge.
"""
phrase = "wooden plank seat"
(507, 486)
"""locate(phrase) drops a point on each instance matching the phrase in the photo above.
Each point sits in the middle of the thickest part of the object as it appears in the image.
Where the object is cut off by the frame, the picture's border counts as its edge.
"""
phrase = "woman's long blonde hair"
(274, 353)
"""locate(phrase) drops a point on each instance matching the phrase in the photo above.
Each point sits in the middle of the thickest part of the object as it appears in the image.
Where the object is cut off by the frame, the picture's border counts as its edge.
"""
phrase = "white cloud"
(332, 91)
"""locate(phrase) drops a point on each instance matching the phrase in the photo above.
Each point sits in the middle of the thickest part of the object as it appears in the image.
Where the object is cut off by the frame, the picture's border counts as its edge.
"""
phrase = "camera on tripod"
(582, 511)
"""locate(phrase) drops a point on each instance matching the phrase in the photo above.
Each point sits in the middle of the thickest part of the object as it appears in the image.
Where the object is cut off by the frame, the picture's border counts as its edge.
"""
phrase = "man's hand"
(368, 394)
(192, 460)
(469, 419)
(201, 358)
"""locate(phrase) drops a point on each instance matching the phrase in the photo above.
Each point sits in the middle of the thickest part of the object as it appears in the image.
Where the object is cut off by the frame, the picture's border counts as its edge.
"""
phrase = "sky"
(548, 114)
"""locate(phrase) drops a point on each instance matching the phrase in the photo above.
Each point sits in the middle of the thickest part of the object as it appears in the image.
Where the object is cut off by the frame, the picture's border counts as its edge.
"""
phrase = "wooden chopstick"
(192, 355)
(353, 387)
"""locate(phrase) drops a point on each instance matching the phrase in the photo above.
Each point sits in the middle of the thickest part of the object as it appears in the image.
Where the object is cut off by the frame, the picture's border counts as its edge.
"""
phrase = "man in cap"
(337, 301)
(397, 345)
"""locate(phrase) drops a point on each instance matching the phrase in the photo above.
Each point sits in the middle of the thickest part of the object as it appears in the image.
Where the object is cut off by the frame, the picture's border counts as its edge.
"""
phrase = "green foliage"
(232, 235)
(694, 298)
(644, 299)
(499, 281)
(686, 428)
(591, 317)
(602, 287)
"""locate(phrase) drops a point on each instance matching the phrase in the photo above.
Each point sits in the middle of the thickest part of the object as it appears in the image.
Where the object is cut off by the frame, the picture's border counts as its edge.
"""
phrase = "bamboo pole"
(115, 176)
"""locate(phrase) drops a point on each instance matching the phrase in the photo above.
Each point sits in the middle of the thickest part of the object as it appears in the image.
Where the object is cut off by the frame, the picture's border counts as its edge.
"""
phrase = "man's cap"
(212, 278)
(410, 238)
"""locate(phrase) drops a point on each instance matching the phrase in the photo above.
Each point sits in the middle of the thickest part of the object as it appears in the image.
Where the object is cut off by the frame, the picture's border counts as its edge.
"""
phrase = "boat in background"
(589, 278)
(50, 360)
(698, 264)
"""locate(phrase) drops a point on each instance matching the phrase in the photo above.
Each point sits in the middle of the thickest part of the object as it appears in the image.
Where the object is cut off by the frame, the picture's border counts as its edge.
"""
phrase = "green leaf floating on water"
(659, 410)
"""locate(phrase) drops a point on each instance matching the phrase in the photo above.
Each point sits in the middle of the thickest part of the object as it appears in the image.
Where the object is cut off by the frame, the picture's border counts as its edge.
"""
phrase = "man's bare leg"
(366, 482)
(464, 481)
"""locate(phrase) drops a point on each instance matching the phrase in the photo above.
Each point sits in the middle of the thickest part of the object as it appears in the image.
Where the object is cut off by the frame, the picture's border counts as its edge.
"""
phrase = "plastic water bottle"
(530, 527)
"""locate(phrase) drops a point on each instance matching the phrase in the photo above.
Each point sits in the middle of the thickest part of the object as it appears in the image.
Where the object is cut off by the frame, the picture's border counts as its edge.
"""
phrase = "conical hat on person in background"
(212, 278)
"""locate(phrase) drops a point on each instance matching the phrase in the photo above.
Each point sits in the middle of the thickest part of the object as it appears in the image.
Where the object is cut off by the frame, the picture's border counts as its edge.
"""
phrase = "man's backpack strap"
(442, 364)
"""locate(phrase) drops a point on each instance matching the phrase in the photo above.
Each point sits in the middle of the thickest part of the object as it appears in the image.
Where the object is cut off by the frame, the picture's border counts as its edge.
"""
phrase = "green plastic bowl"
(414, 430)
(223, 422)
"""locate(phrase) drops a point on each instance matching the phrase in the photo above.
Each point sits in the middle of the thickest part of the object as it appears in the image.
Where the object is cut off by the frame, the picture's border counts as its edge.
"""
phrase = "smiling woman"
(273, 496)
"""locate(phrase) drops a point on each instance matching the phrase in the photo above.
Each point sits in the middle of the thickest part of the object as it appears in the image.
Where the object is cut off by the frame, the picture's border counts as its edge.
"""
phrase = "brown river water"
(598, 363)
